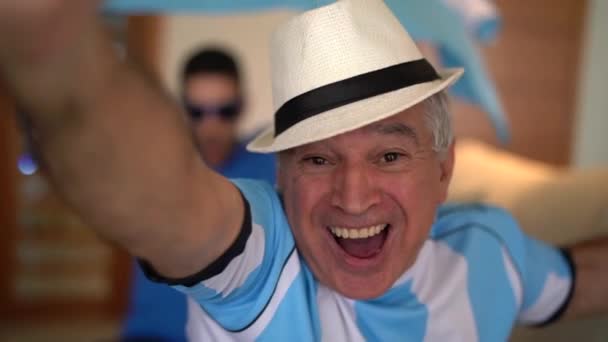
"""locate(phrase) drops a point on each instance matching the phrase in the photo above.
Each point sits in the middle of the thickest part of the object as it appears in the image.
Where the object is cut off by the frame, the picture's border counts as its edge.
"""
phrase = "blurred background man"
(213, 99)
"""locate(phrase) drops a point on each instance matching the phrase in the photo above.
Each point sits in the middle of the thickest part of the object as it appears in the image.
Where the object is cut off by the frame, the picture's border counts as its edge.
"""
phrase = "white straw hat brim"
(351, 116)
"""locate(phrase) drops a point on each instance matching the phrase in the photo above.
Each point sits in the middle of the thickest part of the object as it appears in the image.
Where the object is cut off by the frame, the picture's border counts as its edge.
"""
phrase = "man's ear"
(446, 166)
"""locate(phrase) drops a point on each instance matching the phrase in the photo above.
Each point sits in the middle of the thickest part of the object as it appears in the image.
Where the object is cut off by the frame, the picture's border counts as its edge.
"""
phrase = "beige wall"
(246, 35)
(591, 139)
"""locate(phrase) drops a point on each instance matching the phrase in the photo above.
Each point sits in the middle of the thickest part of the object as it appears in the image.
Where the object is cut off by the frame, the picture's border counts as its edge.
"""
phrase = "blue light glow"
(27, 165)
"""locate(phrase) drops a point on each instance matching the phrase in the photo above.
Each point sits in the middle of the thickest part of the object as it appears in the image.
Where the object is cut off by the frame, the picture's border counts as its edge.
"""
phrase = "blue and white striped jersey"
(475, 277)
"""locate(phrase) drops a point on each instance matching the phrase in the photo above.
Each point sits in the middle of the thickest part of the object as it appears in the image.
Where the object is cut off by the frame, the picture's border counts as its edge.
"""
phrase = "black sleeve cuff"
(560, 312)
(213, 269)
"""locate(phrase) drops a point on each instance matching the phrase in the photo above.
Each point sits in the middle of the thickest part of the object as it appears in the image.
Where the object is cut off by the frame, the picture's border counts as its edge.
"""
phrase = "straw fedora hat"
(341, 67)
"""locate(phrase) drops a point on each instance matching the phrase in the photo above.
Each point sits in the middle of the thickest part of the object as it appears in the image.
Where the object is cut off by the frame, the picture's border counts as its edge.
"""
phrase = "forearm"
(129, 167)
(116, 147)
(591, 285)
(113, 144)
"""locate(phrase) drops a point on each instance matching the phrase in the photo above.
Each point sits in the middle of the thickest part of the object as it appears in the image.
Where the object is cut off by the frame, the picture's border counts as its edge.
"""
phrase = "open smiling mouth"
(362, 243)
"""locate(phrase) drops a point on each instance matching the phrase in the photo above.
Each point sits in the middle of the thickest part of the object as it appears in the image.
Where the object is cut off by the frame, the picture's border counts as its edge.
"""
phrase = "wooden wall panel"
(7, 197)
(143, 41)
(535, 63)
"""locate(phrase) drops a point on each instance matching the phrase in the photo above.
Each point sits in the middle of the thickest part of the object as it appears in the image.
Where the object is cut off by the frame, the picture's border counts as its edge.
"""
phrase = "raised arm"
(114, 145)
(590, 295)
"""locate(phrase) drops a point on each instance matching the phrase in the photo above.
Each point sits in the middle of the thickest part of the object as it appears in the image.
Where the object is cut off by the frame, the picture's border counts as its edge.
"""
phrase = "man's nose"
(354, 191)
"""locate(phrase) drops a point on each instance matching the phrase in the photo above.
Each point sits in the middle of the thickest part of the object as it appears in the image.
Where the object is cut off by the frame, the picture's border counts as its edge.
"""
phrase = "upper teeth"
(357, 233)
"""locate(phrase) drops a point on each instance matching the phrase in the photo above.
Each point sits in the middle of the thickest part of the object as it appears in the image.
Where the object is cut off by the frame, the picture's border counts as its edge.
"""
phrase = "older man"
(355, 247)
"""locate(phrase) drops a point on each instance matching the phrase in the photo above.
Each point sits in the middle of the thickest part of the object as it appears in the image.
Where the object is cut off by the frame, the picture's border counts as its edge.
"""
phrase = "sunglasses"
(228, 111)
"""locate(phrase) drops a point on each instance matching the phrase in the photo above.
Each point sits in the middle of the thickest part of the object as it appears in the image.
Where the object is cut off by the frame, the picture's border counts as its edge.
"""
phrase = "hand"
(48, 48)
(35, 31)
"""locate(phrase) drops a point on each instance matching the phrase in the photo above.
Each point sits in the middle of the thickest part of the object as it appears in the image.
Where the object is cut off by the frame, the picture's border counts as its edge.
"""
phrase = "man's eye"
(391, 157)
(317, 161)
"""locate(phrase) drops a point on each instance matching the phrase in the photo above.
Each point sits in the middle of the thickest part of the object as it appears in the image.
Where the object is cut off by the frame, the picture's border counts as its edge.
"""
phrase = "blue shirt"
(476, 276)
(159, 312)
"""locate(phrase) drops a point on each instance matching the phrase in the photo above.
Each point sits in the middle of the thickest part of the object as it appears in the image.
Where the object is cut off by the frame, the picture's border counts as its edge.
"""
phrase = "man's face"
(214, 133)
(382, 183)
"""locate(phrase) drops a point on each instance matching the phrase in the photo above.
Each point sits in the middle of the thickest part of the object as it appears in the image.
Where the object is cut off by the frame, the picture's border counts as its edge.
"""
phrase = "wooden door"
(535, 63)
(7, 200)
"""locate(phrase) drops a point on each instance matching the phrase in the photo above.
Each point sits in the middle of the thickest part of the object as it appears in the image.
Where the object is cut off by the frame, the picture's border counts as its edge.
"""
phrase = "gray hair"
(439, 122)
